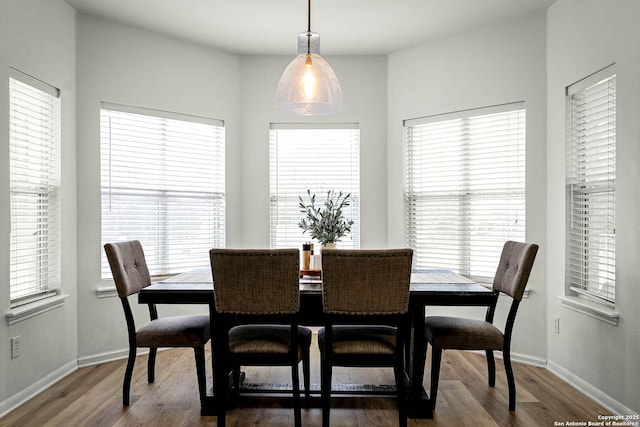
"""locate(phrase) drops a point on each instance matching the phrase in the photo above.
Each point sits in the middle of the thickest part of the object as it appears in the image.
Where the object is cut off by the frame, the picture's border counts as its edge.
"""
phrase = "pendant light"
(309, 86)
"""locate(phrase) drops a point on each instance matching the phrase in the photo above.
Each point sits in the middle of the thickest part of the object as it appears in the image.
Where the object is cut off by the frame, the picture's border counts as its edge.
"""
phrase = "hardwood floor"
(92, 396)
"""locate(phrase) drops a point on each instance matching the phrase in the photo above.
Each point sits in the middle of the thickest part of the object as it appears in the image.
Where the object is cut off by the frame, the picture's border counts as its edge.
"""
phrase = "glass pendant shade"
(309, 85)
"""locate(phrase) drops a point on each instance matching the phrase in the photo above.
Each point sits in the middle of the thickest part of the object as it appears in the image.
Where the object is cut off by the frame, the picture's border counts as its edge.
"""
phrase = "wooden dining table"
(428, 288)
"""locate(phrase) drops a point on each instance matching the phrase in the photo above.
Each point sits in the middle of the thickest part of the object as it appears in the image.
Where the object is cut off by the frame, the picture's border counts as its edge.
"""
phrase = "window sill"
(591, 308)
(106, 291)
(23, 312)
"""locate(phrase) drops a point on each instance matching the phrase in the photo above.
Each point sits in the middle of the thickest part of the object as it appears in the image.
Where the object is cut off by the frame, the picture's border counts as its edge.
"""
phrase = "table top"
(436, 286)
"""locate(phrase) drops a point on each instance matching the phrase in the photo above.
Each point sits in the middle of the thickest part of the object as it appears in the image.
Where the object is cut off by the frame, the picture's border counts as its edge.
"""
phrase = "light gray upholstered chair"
(257, 302)
(443, 332)
(130, 273)
(365, 296)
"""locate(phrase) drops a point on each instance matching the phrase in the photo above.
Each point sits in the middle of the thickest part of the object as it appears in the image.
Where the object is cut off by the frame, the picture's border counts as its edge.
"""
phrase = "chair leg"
(295, 381)
(491, 368)
(510, 380)
(221, 389)
(436, 357)
(306, 374)
(151, 365)
(398, 371)
(236, 378)
(200, 372)
(407, 346)
(325, 390)
(126, 384)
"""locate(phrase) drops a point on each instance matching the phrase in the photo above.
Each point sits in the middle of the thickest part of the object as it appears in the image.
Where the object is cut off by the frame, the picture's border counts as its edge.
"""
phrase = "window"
(34, 134)
(465, 188)
(317, 158)
(591, 186)
(163, 184)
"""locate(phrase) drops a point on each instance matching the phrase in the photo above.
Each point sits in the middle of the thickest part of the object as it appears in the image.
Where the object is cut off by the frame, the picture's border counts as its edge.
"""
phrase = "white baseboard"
(587, 389)
(110, 356)
(529, 360)
(519, 358)
(105, 357)
(36, 388)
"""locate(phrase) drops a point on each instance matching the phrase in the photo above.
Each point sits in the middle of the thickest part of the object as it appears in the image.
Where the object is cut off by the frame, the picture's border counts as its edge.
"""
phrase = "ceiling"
(361, 27)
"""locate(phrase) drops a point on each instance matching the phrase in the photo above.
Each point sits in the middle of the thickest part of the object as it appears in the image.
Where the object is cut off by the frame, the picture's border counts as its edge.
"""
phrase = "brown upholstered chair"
(130, 273)
(365, 296)
(457, 333)
(257, 302)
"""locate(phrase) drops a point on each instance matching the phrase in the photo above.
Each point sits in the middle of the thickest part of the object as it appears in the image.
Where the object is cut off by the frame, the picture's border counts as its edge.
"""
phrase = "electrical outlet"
(556, 325)
(15, 347)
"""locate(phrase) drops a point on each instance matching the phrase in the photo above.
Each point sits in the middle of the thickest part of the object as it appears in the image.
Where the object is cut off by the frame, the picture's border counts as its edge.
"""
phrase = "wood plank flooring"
(92, 396)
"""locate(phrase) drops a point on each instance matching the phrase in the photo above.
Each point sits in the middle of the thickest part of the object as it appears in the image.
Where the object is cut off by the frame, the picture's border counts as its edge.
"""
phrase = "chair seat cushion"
(361, 339)
(175, 331)
(462, 334)
(266, 339)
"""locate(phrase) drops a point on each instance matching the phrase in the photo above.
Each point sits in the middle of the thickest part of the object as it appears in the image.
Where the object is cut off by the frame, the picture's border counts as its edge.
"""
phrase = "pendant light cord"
(308, 27)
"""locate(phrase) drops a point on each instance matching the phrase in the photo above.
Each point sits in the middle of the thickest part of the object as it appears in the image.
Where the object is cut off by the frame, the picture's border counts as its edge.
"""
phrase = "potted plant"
(326, 222)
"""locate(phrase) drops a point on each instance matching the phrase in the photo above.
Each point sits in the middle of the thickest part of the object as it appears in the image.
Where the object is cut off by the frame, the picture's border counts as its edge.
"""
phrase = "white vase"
(329, 245)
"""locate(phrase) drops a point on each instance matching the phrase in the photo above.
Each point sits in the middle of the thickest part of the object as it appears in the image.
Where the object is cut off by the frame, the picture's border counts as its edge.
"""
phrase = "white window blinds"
(317, 158)
(163, 184)
(591, 182)
(465, 188)
(34, 128)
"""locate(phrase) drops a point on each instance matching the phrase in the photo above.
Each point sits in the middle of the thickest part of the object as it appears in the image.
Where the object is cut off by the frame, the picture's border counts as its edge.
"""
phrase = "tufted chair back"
(128, 266)
(514, 268)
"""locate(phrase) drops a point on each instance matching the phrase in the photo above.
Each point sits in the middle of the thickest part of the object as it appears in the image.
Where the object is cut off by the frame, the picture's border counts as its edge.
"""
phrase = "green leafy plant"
(326, 222)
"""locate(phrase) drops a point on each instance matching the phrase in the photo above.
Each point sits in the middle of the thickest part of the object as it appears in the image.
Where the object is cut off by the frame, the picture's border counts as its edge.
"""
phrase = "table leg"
(210, 405)
(419, 404)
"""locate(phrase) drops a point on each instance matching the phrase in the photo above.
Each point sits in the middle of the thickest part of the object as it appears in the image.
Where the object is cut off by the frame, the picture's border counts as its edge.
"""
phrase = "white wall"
(583, 37)
(489, 66)
(363, 80)
(124, 65)
(38, 37)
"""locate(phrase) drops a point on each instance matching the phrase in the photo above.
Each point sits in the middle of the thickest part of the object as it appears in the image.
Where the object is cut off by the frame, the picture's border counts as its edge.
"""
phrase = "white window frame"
(163, 183)
(591, 192)
(315, 157)
(34, 170)
(465, 187)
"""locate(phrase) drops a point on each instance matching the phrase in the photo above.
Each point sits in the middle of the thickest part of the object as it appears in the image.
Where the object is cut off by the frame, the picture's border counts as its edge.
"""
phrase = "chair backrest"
(256, 281)
(514, 268)
(374, 281)
(128, 267)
